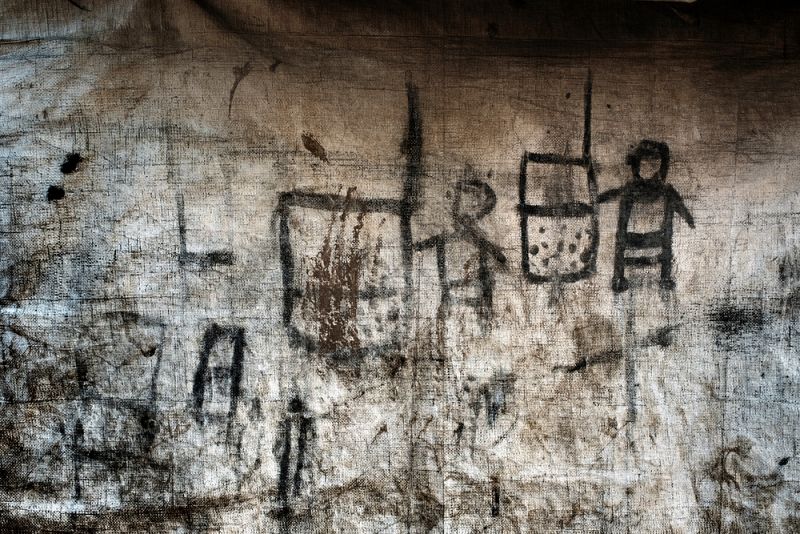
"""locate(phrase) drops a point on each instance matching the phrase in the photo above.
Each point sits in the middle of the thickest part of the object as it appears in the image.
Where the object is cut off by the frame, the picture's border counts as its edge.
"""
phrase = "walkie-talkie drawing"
(557, 207)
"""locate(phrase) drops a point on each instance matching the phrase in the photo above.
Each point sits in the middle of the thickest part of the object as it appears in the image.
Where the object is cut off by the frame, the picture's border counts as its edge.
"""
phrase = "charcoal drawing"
(523, 266)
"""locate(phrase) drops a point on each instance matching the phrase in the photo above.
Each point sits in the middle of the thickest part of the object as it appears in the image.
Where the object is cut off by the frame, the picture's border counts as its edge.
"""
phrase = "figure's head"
(473, 200)
(649, 161)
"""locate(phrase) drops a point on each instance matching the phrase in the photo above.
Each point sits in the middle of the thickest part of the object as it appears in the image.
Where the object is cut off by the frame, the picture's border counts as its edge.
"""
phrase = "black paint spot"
(55, 192)
(572, 247)
(783, 461)
(71, 162)
(569, 95)
(295, 405)
(534, 250)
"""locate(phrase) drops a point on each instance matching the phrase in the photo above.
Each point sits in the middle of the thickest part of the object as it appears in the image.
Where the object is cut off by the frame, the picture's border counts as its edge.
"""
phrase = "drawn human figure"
(649, 163)
(292, 450)
(473, 200)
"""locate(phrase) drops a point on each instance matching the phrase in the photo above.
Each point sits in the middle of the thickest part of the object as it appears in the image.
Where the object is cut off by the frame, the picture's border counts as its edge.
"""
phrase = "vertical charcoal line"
(486, 304)
(77, 450)
(413, 150)
(587, 118)
(441, 267)
(287, 261)
(181, 226)
(237, 365)
(157, 367)
(283, 463)
(302, 443)
(630, 367)
(199, 386)
(591, 265)
(495, 497)
(523, 215)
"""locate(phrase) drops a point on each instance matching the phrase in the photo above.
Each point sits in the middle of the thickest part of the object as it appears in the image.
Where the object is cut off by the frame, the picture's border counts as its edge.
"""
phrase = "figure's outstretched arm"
(428, 243)
(610, 194)
(680, 207)
(479, 239)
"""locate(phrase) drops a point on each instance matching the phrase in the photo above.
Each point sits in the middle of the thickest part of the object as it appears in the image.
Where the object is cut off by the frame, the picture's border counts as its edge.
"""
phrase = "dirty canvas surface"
(399, 266)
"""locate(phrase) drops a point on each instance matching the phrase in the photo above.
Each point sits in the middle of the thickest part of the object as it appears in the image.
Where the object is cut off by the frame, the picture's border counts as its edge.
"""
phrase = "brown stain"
(333, 287)
(596, 342)
(746, 487)
(315, 147)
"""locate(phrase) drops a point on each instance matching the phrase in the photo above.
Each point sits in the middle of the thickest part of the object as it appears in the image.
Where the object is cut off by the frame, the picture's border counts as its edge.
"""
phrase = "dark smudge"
(730, 319)
(315, 147)
(71, 163)
(55, 192)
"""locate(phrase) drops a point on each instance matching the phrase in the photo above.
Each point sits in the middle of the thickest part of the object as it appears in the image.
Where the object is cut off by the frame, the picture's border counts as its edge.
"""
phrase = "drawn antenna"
(587, 117)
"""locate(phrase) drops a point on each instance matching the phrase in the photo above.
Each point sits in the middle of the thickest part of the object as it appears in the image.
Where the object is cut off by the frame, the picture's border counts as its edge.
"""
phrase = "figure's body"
(480, 201)
(649, 190)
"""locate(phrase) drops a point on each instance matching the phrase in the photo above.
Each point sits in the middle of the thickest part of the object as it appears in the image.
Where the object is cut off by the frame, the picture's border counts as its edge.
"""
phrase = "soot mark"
(203, 376)
(315, 147)
(730, 319)
(71, 163)
(496, 393)
(789, 267)
(239, 74)
(79, 6)
(661, 337)
(596, 342)
(744, 483)
(127, 348)
(646, 190)
(55, 192)
(579, 366)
